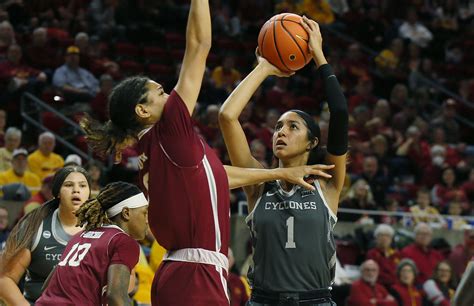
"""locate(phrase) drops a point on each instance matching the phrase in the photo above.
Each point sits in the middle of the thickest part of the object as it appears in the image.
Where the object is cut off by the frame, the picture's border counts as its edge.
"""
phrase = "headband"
(136, 201)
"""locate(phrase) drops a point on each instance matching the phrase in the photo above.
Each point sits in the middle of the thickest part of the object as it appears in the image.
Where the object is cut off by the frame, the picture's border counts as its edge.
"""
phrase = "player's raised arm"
(198, 44)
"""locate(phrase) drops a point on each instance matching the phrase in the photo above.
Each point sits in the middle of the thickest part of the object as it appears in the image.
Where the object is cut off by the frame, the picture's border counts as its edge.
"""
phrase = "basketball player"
(36, 243)
(292, 224)
(186, 184)
(98, 262)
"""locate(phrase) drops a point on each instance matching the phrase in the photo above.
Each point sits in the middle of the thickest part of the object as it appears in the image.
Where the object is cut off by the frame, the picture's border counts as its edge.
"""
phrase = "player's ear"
(142, 111)
(126, 213)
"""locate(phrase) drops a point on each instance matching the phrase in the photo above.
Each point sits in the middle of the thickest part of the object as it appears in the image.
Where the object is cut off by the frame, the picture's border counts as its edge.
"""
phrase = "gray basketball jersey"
(292, 237)
(46, 252)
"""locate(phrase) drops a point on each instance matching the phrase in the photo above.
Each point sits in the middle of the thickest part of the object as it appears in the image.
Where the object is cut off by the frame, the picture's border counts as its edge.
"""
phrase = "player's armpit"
(118, 281)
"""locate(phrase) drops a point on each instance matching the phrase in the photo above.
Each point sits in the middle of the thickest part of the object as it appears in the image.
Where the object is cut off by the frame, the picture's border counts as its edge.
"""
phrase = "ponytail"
(92, 215)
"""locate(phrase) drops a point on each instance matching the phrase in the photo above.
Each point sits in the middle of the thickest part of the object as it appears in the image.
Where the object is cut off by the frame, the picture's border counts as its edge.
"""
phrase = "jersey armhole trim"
(320, 191)
(250, 215)
(110, 240)
(54, 223)
(185, 167)
(38, 237)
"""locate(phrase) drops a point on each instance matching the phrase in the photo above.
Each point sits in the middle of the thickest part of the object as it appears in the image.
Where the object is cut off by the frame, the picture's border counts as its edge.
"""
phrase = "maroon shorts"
(179, 283)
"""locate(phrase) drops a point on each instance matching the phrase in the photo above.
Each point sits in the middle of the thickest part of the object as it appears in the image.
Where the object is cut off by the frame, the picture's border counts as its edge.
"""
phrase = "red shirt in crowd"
(362, 293)
(387, 265)
(425, 260)
(409, 295)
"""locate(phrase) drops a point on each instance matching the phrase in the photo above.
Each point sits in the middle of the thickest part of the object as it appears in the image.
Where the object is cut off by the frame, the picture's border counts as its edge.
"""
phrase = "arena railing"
(31, 109)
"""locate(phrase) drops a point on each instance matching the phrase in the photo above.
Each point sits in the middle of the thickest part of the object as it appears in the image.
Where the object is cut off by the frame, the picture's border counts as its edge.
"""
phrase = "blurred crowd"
(405, 67)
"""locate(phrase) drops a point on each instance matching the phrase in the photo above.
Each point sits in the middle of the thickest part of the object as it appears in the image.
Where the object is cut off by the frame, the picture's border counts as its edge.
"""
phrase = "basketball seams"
(289, 20)
(276, 47)
(291, 35)
(261, 44)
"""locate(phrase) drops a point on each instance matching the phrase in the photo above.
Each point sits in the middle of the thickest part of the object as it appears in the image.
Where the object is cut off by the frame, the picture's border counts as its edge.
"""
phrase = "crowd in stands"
(411, 144)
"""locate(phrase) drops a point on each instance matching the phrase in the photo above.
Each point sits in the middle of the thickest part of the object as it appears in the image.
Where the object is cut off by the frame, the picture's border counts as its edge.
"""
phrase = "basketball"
(284, 42)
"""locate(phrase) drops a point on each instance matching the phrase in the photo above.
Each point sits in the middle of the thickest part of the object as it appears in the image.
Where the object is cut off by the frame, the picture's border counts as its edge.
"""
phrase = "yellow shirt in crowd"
(42, 165)
(29, 179)
(318, 10)
(5, 159)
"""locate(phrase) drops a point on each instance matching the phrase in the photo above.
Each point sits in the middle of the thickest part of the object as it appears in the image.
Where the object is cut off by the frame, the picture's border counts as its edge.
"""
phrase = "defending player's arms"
(239, 177)
(118, 280)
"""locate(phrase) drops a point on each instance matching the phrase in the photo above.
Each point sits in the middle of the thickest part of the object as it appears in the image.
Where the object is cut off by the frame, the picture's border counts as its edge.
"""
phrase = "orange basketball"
(284, 42)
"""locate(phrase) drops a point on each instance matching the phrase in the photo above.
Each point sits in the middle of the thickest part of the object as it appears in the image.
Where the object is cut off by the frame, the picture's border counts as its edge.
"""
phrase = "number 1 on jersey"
(290, 239)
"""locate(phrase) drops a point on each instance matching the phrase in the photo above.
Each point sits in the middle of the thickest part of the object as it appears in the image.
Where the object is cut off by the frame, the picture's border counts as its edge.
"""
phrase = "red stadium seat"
(129, 67)
(52, 122)
(126, 50)
(156, 55)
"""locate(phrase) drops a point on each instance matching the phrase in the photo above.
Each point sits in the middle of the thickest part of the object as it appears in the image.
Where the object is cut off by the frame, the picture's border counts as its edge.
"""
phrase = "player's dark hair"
(123, 123)
(93, 214)
(21, 236)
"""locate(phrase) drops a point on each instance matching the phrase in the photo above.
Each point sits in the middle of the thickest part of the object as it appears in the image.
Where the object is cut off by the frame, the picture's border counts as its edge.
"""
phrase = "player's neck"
(122, 225)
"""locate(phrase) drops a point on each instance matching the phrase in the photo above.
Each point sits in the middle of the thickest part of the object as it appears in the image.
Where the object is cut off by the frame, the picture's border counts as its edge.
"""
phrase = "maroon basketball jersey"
(185, 182)
(81, 276)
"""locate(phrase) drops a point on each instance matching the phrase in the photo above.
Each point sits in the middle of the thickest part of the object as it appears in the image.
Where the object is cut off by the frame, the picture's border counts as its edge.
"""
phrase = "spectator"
(405, 291)
(367, 291)
(19, 174)
(95, 170)
(77, 83)
(447, 120)
(45, 194)
(359, 196)
(462, 253)
(268, 127)
(7, 36)
(415, 31)
(73, 160)
(4, 231)
(43, 161)
(441, 287)
(384, 255)
(455, 221)
(238, 287)
(421, 253)
(226, 76)
(447, 190)
(39, 54)
(99, 104)
(377, 180)
(12, 142)
(318, 10)
(259, 151)
(423, 212)
(416, 149)
(363, 95)
(388, 60)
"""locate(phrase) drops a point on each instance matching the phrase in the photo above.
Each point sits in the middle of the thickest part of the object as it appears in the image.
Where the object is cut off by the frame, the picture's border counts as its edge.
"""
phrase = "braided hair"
(93, 213)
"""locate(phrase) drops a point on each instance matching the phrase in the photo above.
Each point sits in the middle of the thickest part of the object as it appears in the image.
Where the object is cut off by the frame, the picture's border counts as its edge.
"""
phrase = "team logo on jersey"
(307, 193)
(46, 234)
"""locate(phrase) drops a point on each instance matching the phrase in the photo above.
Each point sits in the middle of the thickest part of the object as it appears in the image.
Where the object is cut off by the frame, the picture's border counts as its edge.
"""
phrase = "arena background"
(406, 67)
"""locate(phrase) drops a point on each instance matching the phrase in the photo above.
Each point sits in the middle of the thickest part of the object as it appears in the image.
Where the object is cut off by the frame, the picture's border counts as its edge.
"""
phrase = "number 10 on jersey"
(290, 236)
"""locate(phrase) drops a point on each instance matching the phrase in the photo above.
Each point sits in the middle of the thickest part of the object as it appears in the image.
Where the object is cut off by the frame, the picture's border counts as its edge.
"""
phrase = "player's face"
(290, 138)
(138, 222)
(74, 191)
(155, 102)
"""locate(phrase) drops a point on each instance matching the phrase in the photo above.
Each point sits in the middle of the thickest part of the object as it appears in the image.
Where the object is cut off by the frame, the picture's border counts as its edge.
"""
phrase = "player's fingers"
(257, 52)
(305, 25)
(305, 185)
(310, 23)
(320, 173)
(322, 166)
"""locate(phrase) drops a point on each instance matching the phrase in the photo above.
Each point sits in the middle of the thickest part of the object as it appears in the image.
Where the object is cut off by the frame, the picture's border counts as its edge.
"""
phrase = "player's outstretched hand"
(271, 70)
(305, 175)
(315, 37)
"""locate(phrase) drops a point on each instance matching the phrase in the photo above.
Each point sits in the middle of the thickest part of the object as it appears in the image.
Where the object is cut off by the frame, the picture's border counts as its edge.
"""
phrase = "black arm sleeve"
(339, 114)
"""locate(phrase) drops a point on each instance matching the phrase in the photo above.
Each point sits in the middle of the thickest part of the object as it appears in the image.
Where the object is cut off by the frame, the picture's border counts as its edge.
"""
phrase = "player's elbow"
(200, 45)
(225, 116)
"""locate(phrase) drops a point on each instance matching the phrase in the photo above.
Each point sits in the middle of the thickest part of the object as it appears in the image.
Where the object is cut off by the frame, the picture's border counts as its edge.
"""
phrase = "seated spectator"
(384, 255)
(388, 61)
(95, 170)
(455, 220)
(367, 291)
(99, 104)
(399, 96)
(318, 10)
(355, 64)
(265, 134)
(12, 142)
(45, 194)
(468, 186)
(363, 94)
(448, 189)
(405, 291)
(19, 174)
(4, 230)
(237, 285)
(77, 83)
(423, 212)
(73, 160)
(415, 31)
(441, 287)
(447, 121)
(7, 37)
(416, 149)
(359, 196)
(226, 76)
(43, 161)
(421, 253)
(39, 54)
(377, 179)
(462, 253)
